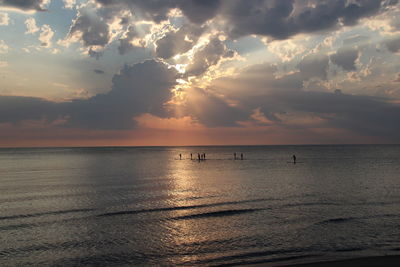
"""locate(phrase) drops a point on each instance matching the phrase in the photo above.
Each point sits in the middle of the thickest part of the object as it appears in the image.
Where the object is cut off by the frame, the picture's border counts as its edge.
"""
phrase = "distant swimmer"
(234, 155)
(180, 156)
(294, 159)
(241, 156)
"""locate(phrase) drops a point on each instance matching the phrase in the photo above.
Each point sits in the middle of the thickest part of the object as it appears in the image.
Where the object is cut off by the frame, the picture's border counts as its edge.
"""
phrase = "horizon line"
(242, 145)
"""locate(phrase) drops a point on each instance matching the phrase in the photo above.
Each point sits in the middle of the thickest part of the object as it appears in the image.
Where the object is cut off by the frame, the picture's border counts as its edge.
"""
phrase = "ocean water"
(145, 207)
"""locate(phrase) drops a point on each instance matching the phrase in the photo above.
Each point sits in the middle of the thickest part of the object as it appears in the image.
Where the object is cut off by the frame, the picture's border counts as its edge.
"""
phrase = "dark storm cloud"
(345, 58)
(282, 19)
(275, 18)
(138, 89)
(24, 4)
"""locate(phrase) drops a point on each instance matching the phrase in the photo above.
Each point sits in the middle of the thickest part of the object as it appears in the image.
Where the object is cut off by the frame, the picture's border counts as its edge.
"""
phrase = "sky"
(199, 72)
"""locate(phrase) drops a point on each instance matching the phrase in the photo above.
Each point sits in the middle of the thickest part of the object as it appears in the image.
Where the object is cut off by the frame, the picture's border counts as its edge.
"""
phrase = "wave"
(215, 214)
(127, 212)
(40, 224)
(337, 220)
(349, 219)
(58, 212)
(311, 204)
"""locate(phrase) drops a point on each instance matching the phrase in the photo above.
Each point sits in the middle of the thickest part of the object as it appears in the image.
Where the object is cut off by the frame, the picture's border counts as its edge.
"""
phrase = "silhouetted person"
(191, 156)
(198, 155)
(204, 156)
(180, 156)
(294, 159)
(234, 155)
(241, 156)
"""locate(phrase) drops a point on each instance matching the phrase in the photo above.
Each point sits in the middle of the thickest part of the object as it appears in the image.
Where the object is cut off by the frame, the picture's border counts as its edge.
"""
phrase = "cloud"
(209, 55)
(285, 103)
(345, 58)
(31, 26)
(89, 27)
(178, 42)
(25, 5)
(256, 94)
(15, 109)
(99, 22)
(69, 4)
(287, 50)
(96, 26)
(364, 115)
(314, 66)
(137, 89)
(275, 18)
(141, 88)
(45, 36)
(4, 19)
(357, 39)
(95, 54)
(282, 19)
(271, 18)
(211, 110)
(126, 43)
(197, 11)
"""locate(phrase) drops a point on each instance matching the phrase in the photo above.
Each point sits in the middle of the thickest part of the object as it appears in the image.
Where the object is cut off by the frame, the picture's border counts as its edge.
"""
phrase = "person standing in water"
(198, 155)
(241, 156)
(234, 155)
(180, 156)
(294, 159)
(191, 156)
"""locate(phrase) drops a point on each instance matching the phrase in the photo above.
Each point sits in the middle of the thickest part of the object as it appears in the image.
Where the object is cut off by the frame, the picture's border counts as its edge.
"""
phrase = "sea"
(144, 206)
